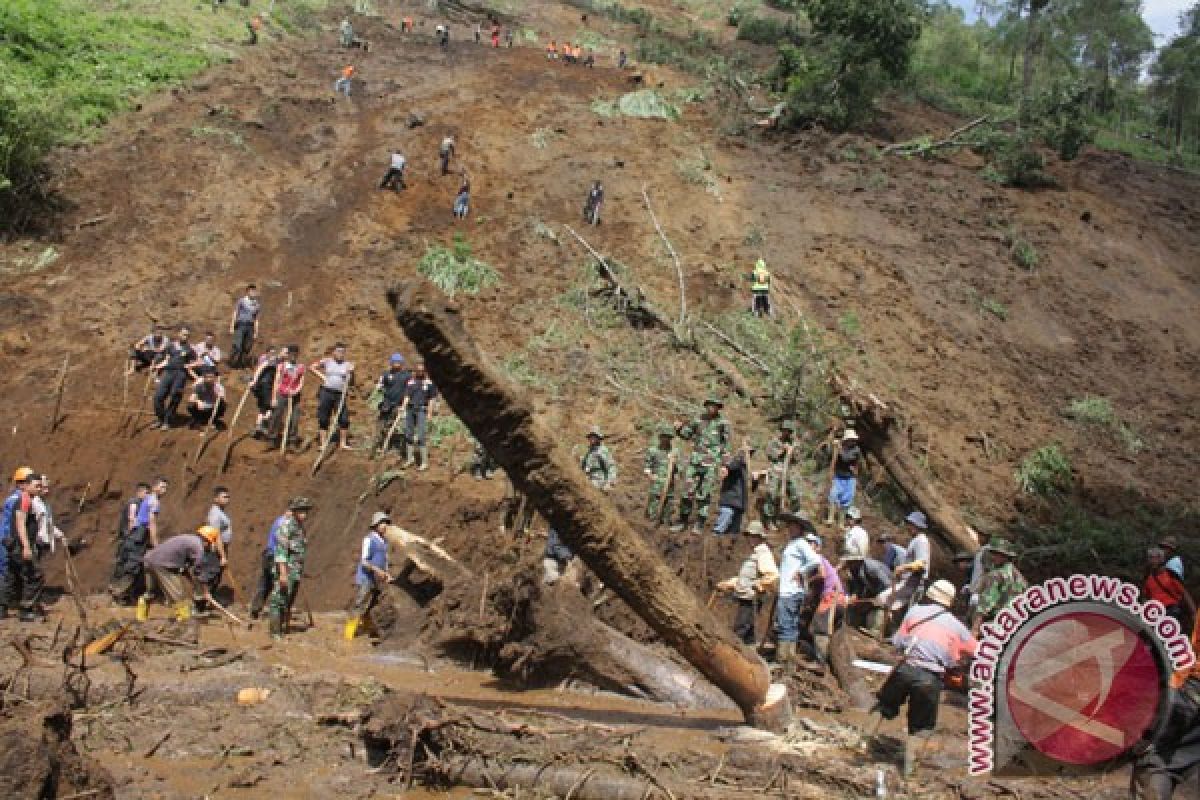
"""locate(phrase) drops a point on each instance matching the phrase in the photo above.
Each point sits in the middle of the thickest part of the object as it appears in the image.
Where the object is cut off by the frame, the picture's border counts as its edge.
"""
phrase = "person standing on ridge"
(595, 199)
(846, 459)
(760, 289)
(243, 327)
(597, 462)
(710, 437)
(337, 376)
(446, 152)
(422, 398)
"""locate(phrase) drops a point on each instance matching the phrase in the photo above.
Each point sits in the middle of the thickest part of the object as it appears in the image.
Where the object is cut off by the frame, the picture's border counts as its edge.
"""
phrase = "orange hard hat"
(22, 474)
(208, 533)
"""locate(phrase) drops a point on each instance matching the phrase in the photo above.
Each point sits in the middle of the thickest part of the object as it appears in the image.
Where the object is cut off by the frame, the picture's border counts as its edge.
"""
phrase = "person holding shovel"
(169, 564)
(291, 546)
(207, 400)
(782, 489)
(391, 387)
(289, 382)
(756, 577)
(661, 467)
(337, 375)
(370, 575)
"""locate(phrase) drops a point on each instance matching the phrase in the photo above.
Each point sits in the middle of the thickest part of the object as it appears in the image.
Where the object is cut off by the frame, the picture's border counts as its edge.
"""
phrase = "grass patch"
(1046, 472)
(849, 324)
(208, 132)
(1091, 410)
(444, 427)
(455, 270)
(1021, 251)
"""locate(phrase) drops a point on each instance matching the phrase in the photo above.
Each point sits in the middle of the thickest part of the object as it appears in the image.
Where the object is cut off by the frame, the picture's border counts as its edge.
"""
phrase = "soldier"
(598, 463)
(291, 544)
(780, 458)
(482, 463)
(710, 437)
(662, 494)
(999, 585)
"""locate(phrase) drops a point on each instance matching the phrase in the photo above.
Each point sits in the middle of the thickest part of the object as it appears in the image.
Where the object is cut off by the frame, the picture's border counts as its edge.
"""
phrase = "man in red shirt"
(1164, 586)
(289, 382)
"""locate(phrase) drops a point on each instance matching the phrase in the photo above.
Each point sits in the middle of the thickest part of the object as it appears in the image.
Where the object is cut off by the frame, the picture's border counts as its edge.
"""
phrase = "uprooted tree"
(587, 521)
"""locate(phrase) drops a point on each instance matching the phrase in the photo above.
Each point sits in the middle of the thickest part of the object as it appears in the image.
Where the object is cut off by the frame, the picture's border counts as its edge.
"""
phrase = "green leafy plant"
(1091, 410)
(1022, 252)
(444, 427)
(1046, 472)
(768, 30)
(455, 270)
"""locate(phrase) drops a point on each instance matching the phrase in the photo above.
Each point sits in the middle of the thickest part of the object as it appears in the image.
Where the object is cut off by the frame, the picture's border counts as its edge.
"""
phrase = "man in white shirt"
(913, 567)
(857, 540)
(394, 177)
(798, 563)
(756, 576)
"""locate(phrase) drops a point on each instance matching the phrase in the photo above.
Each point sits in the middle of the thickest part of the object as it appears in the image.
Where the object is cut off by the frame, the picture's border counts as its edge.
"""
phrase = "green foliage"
(785, 5)
(455, 270)
(1013, 160)
(860, 47)
(1022, 252)
(994, 307)
(849, 324)
(1091, 410)
(768, 30)
(1046, 472)
(444, 427)
(1060, 117)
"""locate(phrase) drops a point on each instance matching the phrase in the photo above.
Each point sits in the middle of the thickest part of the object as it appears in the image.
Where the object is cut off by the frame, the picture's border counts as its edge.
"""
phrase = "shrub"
(1091, 410)
(1046, 472)
(455, 270)
(1060, 116)
(1013, 160)
(767, 30)
(1024, 254)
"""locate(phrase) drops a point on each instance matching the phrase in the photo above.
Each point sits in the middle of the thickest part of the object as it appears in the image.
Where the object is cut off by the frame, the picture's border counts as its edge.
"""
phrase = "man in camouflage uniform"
(291, 544)
(655, 468)
(598, 463)
(780, 450)
(710, 437)
(1000, 584)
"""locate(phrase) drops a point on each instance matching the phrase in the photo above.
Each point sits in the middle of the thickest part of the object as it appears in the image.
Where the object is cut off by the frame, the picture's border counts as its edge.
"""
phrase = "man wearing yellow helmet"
(168, 564)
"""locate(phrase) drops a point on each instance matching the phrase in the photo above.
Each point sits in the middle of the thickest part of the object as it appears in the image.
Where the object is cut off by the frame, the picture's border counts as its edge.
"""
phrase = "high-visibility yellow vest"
(762, 279)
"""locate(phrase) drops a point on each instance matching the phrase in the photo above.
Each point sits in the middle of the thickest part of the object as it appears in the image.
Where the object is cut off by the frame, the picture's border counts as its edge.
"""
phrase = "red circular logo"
(1083, 687)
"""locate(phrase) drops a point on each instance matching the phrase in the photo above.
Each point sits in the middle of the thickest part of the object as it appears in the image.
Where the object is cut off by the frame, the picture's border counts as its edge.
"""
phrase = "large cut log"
(877, 427)
(588, 522)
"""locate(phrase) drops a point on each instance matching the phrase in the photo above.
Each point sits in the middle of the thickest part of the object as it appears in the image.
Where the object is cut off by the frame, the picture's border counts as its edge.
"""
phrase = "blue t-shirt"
(271, 535)
(147, 509)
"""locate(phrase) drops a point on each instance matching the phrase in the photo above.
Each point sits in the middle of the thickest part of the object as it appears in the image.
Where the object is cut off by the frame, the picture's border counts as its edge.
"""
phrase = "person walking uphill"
(370, 575)
(756, 577)
(710, 437)
(421, 397)
(930, 640)
(291, 545)
(597, 463)
(337, 376)
(662, 465)
(243, 327)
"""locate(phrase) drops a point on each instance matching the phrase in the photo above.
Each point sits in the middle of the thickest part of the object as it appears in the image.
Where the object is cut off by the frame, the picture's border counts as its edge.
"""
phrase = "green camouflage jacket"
(710, 440)
(997, 588)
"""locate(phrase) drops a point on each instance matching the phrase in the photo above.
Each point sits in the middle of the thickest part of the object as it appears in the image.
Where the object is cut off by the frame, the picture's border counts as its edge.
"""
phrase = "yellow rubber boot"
(143, 609)
(351, 629)
(183, 611)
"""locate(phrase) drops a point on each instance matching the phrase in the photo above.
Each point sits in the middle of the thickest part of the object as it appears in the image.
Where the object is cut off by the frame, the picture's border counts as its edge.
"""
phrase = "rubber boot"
(143, 609)
(424, 458)
(410, 455)
(351, 629)
(183, 611)
(785, 656)
(275, 625)
(910, 754)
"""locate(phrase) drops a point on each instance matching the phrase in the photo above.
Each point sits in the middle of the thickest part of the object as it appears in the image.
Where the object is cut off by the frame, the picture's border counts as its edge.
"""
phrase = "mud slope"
(255, 173)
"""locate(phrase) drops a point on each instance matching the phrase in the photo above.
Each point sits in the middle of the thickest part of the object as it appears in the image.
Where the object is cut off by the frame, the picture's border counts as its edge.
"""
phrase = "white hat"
(853, 513)
(917, 518)
(942, 593)
(849, 435)
(813, 539)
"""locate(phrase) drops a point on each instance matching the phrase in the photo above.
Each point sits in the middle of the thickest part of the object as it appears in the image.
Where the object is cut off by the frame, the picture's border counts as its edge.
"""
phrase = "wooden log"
(875, 423)
(541, 468)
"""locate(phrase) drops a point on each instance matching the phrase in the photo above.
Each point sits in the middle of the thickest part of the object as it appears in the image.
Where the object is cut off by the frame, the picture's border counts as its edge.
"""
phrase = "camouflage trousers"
(655, 501)
(282, 597)
(770, 506)
(699, 482)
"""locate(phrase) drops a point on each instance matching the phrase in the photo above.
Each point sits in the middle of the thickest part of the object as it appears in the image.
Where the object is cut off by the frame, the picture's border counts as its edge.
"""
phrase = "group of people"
(393, 178)
(570, 53)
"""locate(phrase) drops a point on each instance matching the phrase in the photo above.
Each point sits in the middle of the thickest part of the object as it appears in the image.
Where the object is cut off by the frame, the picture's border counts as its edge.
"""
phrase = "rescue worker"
(370, 575)
(337, 376)
(913, 566)
(291, 545)
(756, 577)
(175, 366)
(1164, 586)
(125, 523)
(16, 547)
(445, 153)
(734, 493)
(289, 383)
(262, 384)
(145, 352)
(760, 290)
(347, 33)
(1000, 583)
(243, 326)
(421, 399)
(462, 200)
(557, 560)
(343, 83)
(710, 437)
(930, 640)
(143, 536)
(266, 572)
(206, 403)
(798, 564)
(591, 208)
(830, 606)
(597, 462)
(169, 564)
(781, 458)
(867, 580)
(662, 466)
(254, 26)
(1172, 756)
(846, 459)
(391, 387)
(482, 463)
(394, 177)
(856, 541)
(551, 51)
(216, 558)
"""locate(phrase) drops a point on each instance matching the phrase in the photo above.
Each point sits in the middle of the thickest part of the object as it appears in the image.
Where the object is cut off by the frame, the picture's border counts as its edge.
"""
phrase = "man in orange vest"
(343, 83)
(1167, 761)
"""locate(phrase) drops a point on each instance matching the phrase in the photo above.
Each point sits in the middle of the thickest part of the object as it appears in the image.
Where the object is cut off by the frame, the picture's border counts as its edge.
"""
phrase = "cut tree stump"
(541, 468)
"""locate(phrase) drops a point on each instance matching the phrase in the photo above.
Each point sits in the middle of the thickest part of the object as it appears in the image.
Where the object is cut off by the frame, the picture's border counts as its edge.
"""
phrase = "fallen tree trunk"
(876, 425)
(587, 521)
